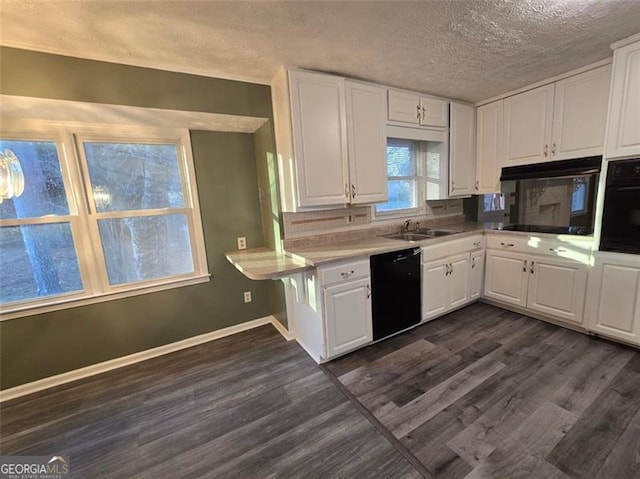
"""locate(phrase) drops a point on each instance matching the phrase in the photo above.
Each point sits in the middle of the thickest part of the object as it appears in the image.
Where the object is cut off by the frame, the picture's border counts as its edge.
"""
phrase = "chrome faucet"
(406, 226)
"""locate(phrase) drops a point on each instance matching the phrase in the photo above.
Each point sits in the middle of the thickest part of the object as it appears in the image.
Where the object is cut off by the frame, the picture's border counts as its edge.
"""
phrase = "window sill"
(62, 302)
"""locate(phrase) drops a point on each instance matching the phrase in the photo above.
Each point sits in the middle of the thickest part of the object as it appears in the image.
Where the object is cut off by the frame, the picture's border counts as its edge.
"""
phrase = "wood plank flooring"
(486, 393)
(249, 405)
(480, 393)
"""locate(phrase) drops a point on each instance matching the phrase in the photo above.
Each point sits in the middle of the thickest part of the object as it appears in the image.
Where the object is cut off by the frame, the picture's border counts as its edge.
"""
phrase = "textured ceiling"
(465, 49)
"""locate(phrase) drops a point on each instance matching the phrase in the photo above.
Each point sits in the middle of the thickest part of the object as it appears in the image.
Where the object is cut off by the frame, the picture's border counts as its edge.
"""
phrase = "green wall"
(34, 347)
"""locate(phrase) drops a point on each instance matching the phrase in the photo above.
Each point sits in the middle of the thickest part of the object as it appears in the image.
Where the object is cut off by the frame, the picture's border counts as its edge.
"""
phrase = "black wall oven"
(621, 214)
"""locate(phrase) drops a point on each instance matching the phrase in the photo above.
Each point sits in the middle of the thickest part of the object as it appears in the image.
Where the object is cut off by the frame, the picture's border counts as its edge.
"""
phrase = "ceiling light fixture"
(11, 176)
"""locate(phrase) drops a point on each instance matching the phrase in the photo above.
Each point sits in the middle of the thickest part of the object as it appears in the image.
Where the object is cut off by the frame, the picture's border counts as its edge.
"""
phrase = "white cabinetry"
(489, 147)
(346, 296)
(476, 277)
(547, 283)
(527, 126)
(558, 121)
(366, 133)
(614, 291)
(447, 275)
(331, 140)
(417, 110)
(462, 150)
(623, 138)
(579, 117)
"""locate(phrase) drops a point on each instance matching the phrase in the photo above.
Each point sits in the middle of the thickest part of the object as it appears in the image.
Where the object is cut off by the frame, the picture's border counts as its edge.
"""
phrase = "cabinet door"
(435, 289)
(458, 280)
(624, 107)
(489, 147)
(347, 316)
(462, 150)
(557, 287)
(527, 126)
(319, 138)
(366, 133)
(506, 277)
(404, 107)
(615, 297)
(476, 275)
(580, 114)
(434, 112)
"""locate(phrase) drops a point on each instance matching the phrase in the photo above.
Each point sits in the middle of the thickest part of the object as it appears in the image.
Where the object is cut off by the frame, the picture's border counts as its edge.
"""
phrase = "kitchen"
(440, 215)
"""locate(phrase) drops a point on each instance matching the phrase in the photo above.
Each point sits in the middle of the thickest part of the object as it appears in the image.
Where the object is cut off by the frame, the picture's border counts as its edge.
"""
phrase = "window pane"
(36, 261)
(579, 196)
(43, 186)
(129, 176)
(146, 248)
(400, 158)
(402, 195)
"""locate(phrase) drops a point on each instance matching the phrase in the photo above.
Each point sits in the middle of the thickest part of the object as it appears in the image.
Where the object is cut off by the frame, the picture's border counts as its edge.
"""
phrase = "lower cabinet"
(446, 283)
(549, 285)
(347, 309)
(614, 292)
(476, 276)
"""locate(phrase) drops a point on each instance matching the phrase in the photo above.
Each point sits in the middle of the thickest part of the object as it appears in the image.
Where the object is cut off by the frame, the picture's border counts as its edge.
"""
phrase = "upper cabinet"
(489, 146)
(330, 139)
(623, 138)
(417, 110)
(462, 150)
(366, 135)
(527, 126)
(579, 114)
(558, 121)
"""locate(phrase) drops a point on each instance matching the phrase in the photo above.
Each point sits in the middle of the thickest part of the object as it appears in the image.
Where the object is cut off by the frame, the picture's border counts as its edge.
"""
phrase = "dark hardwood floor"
(249, 405)
(479, 393)
(486, 393)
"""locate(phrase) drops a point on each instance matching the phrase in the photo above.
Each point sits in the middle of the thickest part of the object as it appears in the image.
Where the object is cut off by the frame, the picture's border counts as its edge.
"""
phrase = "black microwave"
(621, 213)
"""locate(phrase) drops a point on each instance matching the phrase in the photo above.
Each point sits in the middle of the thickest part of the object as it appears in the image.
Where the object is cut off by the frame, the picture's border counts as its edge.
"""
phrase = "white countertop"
(264, 263)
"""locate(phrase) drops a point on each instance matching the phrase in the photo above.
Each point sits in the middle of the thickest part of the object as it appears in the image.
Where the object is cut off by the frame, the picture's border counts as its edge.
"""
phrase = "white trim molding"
(94, 369)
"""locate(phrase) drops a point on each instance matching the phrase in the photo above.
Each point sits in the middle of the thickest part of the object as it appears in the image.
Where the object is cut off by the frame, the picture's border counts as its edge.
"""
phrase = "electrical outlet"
(247, 296)
(242, 242)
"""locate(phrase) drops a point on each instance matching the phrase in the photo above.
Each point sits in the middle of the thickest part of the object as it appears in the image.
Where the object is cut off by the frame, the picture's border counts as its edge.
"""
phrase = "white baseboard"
(105, 366)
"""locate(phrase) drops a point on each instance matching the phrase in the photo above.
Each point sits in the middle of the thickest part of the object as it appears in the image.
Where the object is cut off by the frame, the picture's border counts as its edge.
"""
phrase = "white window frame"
(83, 216)
(419, 210)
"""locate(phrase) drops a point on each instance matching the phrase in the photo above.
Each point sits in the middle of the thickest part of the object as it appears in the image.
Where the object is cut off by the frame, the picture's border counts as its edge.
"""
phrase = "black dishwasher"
(395, 288)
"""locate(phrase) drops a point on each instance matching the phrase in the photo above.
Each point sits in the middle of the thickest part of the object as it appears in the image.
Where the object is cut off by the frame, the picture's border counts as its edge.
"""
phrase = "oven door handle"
(622, 188)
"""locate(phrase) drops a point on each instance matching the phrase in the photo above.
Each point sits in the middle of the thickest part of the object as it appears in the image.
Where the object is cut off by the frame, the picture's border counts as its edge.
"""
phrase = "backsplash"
(355, 223)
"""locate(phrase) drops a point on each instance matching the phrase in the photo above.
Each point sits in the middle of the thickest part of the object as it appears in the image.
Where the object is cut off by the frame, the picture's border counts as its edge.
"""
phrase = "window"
(120, 215)
(403, 177)
(493, 202)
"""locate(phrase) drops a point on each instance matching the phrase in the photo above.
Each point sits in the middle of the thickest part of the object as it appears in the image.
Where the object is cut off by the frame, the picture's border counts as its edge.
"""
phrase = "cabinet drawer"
(510, 243)
(452, 247)
(343, 272)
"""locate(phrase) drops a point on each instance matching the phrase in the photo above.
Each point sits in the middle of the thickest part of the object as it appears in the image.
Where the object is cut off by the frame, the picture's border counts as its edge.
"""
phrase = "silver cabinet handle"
(353, 191)
(418, 111)
(453, 185)
(546, 151)
(507, 245)
(346, 274)
(424, 113)
(346, 190)
(532, 263)
(553, 149)
(558, 250)
(368, 291)
(477, 185)
(524, 266)
(473, 263)
(476, 244)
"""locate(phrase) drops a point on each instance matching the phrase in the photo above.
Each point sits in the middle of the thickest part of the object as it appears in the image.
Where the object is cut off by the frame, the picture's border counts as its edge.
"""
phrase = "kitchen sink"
(434, 233)
(409, 236)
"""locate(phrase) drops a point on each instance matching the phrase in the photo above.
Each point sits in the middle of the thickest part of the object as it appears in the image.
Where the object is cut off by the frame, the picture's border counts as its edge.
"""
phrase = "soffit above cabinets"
(469, 50)
(26, 108)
